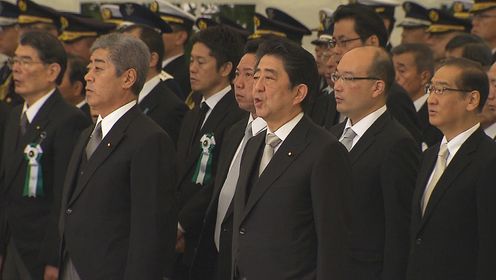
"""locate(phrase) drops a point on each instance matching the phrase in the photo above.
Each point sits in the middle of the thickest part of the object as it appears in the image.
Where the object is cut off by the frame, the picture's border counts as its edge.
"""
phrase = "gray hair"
(126, 52)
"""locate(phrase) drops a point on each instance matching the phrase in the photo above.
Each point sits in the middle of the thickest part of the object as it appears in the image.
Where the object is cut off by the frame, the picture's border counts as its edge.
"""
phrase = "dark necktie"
(24, 123)
(95, 139)
(201, 118)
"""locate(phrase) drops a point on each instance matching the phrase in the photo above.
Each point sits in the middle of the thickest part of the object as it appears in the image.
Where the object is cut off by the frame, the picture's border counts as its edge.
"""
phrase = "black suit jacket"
(179, 69)
(323, 110)
(208, 263)
(32, 222)
(430, 134)
(194, 198)
(87, 111)
(292, 222)
(455, 239)
(384, 163)
(401, 107)
(118, 220)
(165, 108)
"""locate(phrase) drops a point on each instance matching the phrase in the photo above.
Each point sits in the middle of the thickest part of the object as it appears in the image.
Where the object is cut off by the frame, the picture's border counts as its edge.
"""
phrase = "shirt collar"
(36, 106)
(455, 143)
(148, 86)
(420, 102)
(168, 60)
(283, 131)
(214, 99)
(109, 121)
(257, 125)
(491, 131)
(81, 104)
(364, 124)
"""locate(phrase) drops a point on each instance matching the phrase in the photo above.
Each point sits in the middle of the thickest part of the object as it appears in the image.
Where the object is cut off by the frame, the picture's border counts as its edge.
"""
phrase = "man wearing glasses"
(39, 138)
(483, 20)
(384, 159)
(454, 214)
(357, 25)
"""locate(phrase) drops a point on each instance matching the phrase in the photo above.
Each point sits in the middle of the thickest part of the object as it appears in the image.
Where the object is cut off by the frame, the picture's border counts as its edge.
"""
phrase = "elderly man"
(384, 159)
(291, 202)
(453, 214)
(39, 138)
(118, 199)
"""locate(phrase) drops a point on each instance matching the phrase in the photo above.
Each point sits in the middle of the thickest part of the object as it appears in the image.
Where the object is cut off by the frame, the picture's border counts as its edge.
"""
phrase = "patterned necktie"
(438, 172)
(23, 125)
(271, 141)
(348, 137)
(229, 187)
(95, 139)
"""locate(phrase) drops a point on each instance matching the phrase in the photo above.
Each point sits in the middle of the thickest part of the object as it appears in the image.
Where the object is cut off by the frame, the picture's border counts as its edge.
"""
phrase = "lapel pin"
(290, 154)
(38, 127)
(108, 144)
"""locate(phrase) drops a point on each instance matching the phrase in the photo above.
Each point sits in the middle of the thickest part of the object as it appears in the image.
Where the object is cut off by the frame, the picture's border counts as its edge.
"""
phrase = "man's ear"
(373, 40)
(301, 93)
(473, 100)
(226, 69)
(153, 60)
(425, 77)
(130, 77)
(378, 89)
(181, 37)
(53, 71)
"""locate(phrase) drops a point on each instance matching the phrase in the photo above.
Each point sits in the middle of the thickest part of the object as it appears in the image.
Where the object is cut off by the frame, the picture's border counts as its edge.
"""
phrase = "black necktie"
(24, 123)
(201, 118)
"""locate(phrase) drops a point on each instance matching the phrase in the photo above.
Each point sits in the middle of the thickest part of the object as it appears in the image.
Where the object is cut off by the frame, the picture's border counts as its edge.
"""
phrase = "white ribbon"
(206, 143)
(32, 154)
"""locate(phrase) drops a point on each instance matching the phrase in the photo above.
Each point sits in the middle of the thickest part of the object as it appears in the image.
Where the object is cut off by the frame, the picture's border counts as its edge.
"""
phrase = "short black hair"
(252, 45)
(49, 49)
(298, 63)
(478, 52)
(367, 21)
(422, 54)
(225, 45)
(472, 77)
(151, 38)
(383, 68)
(462, 40)
(77, 70)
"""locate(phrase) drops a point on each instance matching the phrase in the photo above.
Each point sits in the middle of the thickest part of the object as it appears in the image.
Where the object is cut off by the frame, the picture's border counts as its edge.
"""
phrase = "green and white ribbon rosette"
(203, 170)
(33, 183)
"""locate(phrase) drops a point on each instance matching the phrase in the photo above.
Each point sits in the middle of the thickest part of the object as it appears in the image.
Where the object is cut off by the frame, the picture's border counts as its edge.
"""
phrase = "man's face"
(80, 47)
(31, 76)
(243, 82)
(438, 41)
(345, 30)
(411, 35)
(483, 26)
(8, 40)
(354, 98)
(447, 111)
(330, 67)
(204, 75)
(274, 97)
(408, 75)
(104, 89)
(489, 110)
(319, 52)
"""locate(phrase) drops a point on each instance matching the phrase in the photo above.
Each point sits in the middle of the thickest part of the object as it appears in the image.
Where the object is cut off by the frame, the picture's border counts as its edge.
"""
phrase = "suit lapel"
(150, 102)
(369, 137)
(430, 157)
(103, 151)
(462, 159)
(289, 151)
(33, 134)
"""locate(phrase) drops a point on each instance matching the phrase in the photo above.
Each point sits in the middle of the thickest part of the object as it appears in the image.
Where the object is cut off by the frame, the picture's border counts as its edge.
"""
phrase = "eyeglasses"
(349, 78)
(430, 88)
(23, 61)
(333, 42)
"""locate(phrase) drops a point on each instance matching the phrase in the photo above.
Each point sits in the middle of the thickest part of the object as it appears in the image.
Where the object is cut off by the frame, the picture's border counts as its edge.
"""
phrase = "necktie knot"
(272, 140)
(95, 139)
(443, 151)
(204, 107)
(348, 137)
(249, 130)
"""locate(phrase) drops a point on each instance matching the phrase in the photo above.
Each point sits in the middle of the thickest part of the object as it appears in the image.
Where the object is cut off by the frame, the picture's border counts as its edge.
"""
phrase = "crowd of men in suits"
(254, 159)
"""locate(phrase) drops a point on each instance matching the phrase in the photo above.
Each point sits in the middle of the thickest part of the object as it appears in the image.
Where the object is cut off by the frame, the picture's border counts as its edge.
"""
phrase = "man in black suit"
(356, 25)
(156, 100)
(39, 137)
(73, 84)
(216, 52)
(414, 66)
(118, 203)
(290, 210)
(488, 115)
(453, 214)
(384, 160)
(212, 259)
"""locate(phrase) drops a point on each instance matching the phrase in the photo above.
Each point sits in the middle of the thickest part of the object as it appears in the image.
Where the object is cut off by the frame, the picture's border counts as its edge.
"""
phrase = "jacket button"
(68, 211)
(418, 241)
(242, 231)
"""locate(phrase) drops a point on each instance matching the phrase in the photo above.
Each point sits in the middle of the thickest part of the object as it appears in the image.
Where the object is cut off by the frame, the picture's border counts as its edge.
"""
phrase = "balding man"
(384, 159)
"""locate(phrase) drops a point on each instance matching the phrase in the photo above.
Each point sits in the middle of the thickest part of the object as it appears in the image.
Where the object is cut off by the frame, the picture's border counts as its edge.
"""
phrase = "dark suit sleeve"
(486, 215)
(153, 222)
(65, 139)
(398, 175)
(331, 194)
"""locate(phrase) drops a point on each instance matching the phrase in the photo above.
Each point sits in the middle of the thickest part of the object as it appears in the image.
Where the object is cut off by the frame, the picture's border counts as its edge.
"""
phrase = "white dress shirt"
(363, 125)
(32, 110)
(109, 121)
(213, 100)
(283, 131)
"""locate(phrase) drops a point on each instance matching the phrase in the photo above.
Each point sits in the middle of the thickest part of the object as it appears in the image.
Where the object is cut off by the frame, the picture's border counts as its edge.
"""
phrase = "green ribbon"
(203, 169)
(33, 182)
